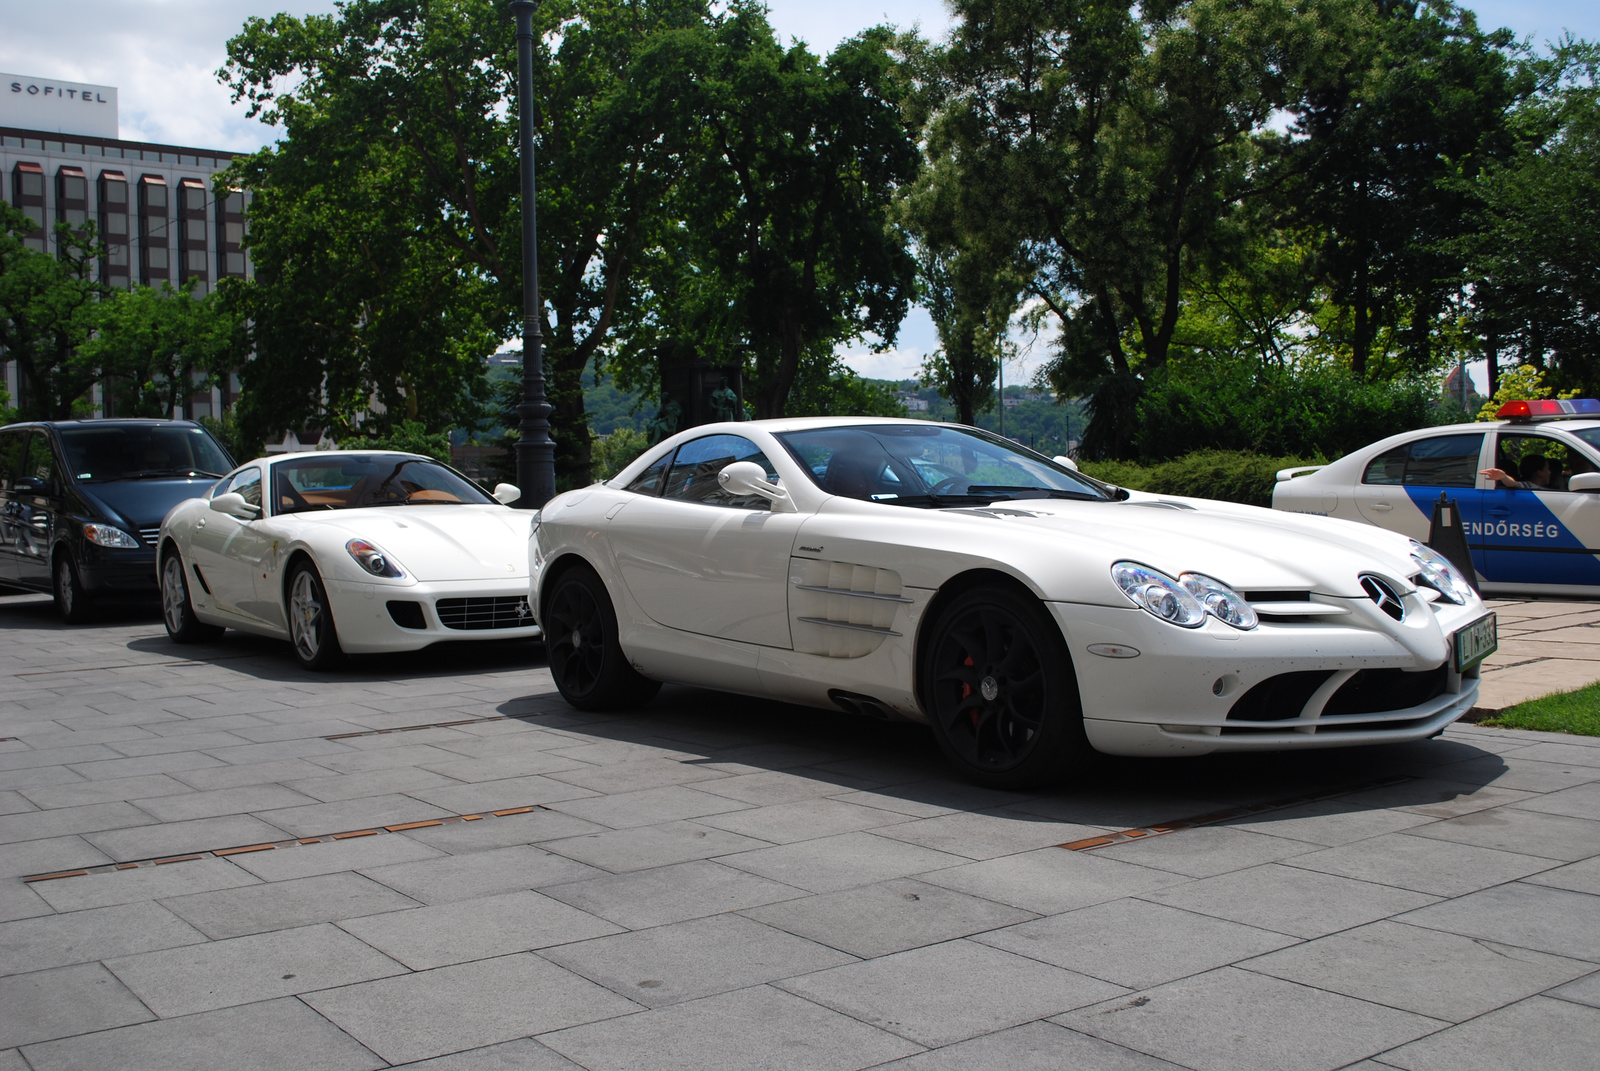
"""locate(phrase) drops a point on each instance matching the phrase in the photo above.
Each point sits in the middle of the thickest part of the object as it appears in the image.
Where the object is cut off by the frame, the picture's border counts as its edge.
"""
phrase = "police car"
(1527, 485)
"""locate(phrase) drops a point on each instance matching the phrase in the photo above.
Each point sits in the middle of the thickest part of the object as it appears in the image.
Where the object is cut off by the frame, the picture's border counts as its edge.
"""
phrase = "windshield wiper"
(152, 474)
(996, 490)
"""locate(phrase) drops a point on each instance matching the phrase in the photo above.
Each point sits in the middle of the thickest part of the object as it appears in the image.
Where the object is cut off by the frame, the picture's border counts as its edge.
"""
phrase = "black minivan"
(81, 503)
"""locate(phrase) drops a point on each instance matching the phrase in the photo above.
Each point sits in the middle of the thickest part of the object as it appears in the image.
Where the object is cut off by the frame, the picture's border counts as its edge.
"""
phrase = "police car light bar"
(1550, 409)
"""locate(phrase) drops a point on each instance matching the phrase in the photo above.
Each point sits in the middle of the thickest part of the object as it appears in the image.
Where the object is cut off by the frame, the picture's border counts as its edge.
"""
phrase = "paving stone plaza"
(444, 866)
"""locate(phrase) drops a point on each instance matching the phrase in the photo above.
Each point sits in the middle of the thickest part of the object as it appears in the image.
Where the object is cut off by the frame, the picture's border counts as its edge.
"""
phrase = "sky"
(162, 56)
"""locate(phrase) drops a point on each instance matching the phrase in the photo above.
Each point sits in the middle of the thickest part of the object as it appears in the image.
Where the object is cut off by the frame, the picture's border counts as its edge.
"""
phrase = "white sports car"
(906, 569)
(350, 551)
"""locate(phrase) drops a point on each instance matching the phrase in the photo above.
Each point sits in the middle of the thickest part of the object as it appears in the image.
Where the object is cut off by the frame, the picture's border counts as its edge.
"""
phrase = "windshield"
(359, 480)
(1589, 435)
(929, 465)
(102, 453)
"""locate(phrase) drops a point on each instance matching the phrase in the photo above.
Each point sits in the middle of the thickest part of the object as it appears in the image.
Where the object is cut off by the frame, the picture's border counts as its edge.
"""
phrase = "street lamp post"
(536, 452)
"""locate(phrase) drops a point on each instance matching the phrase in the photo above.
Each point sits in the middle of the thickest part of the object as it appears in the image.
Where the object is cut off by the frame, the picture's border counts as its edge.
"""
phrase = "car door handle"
(201, 523)
(1499, 513)
(1382, 507)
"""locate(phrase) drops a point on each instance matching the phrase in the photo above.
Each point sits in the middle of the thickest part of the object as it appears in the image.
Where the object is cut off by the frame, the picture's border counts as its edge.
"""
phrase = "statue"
(665, 423)
(725, 403)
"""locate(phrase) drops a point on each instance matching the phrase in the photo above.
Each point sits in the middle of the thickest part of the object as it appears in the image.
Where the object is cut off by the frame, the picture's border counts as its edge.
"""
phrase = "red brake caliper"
(966, 690)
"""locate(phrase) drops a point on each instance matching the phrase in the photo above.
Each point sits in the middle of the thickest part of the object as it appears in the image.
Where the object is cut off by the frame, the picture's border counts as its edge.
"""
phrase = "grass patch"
(1565, 712)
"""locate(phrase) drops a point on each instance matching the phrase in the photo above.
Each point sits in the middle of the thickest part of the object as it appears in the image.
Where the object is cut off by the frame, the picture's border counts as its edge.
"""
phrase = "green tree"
(47, 312)
(156, 347)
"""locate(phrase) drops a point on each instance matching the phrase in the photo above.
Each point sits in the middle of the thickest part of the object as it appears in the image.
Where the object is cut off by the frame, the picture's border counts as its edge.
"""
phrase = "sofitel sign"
(49, 104)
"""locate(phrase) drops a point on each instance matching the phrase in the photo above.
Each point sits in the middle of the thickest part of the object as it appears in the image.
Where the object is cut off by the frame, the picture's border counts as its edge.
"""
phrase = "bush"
(615, 452)
(410, 437)
(1228, 475)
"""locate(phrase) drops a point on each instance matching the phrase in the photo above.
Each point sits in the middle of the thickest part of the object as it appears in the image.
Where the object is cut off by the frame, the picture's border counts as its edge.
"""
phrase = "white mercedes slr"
(1026, 613)
(347, 552)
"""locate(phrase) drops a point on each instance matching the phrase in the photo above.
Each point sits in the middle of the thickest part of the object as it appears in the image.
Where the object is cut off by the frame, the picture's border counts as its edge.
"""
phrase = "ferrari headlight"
(1440, 574)
(1221, 601)
(1159, 594)
(103, 535)
(372, 559)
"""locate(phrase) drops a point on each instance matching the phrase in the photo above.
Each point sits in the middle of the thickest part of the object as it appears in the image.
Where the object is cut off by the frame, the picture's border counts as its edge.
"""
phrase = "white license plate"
(1475, 642)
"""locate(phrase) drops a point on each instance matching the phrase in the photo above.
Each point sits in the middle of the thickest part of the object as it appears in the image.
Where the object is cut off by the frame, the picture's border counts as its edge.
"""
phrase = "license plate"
(1475, 643)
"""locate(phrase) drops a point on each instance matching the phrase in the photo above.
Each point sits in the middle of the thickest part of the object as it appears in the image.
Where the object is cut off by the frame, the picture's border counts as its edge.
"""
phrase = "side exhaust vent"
(865, 705)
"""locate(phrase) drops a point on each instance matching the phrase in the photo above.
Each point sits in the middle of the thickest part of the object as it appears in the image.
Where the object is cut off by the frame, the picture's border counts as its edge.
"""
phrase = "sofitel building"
(154, 204)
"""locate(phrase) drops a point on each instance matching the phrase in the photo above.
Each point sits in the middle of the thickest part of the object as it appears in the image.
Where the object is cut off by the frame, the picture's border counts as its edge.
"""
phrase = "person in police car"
(1535, 471)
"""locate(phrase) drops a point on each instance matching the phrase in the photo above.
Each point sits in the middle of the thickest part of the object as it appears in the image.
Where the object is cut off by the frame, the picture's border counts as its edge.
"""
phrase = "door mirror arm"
(748, 478)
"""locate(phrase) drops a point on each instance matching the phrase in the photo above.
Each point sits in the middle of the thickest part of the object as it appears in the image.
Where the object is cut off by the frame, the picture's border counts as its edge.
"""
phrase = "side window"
(1535, 459)
(41, 463)
(693, 476)
(11, 447)
(1446, 461)
(248, 484)
(1388, 467)
(650, 480)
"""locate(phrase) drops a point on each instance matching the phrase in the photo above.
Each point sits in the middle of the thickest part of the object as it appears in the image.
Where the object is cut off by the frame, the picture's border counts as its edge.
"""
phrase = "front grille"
(1280, 697)
(508, 611)
(150, 535)
(1375, 691)
(407, 614)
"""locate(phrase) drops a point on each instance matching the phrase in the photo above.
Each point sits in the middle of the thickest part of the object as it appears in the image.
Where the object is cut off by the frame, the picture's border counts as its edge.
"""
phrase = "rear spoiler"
(1285, 475)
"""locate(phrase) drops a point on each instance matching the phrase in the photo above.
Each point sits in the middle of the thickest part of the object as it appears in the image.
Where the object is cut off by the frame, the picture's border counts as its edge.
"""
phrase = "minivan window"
(41, 463)
(12, 444)
(97, 453)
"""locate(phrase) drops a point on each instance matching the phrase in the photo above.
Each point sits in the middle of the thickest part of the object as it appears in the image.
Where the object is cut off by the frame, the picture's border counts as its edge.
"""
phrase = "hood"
(143, 503)
(1246, 547)
(433, 543)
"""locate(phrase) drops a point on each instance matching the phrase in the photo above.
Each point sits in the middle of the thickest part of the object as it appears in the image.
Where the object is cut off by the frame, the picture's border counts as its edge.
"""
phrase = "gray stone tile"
(987, 836)
(1516, 829)
(1553, 1035)
(223, 801)
(46, 1005)
(1582, 801)
(12, 802)
(842, 861)
(531, 828)
(750, 1028)
(1579, 877)
(475, 874)
(635, 775)
(306, 860)
(1304, 903)
(770, 787)
(38, 944)
(1437, 974)
(1556, 921)
(910, 993)
(1050, 880)
(1206, 852)
(65, 821)
(524, 1054)
(80, 793)
(688, 960)
(268, 1036)
(1133, 943)
(1565, 753)
(19, 901)
(436, 1012)
(244, 970)
(477, 929)
(786, 823)
(892, 916)
(177, 838)
(309, 747)
(1523, 775)
(145, 883)
(1235, 1020)
(1422, 864)
(27, 858)
(337, 787)
(166, 745)
(650, 806)
(11, 1060)
(650, 846)
(1039, 1046)
(1585, 990)
(498, 762)
(113, 769)
(56, 756)
(1330, 822)
(254, 773)
(673, 893)
(279, 905)
(38, 777)
(369, 812)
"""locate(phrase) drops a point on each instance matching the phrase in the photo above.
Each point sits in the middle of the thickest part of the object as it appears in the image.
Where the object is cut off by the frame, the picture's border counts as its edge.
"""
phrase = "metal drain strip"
(1213, 818)
(293, 842)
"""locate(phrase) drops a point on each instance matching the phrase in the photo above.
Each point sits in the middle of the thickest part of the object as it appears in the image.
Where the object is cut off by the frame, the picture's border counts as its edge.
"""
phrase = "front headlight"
(103, 535)
(1440, 574)
(372, 559)
(1159, 594)
(1221, 601)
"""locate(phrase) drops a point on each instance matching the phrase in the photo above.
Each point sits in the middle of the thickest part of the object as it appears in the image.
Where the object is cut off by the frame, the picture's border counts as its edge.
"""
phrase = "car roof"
(108, 422)
(1575, 424)
(344, 455)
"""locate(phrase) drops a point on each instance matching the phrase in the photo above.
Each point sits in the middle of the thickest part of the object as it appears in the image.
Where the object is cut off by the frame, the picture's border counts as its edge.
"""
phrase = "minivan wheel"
(72, 602)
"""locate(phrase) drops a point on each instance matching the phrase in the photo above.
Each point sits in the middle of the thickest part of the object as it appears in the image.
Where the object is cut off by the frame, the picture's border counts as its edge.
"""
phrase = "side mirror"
(234, 505)
(31, 485)
(506, 493)
(1066, 462)
(748, 478)
(1584, 481)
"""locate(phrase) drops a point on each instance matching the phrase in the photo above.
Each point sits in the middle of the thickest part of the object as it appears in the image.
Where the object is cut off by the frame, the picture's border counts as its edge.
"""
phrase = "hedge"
(1229, 475)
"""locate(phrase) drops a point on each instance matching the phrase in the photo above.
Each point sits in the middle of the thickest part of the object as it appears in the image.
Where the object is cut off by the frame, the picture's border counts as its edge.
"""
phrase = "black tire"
(312, 632)
(580, 638)
(177, 610)
(72, 602)
(1000, 693)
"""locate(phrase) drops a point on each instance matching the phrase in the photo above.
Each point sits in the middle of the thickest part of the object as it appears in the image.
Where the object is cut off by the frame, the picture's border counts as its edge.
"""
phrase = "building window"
(27, 196)
(153, 230)
(195, 261)
(114, 269)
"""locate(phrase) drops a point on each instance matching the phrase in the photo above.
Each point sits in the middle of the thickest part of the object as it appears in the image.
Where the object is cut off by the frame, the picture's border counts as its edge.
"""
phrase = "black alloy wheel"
(580, 637)
(1001, 694)
(311, 627)
(177, 610)
(72, 602)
